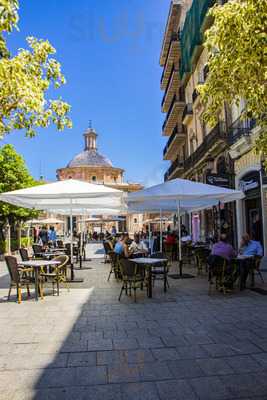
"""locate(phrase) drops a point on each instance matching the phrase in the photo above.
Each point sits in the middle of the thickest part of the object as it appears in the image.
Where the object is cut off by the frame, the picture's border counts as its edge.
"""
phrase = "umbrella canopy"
(52, 221)
(170, 206)
(65, 195)
(185, 190)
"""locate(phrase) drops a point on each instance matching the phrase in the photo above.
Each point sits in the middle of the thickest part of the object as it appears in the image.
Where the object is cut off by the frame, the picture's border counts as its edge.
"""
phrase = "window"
(135, 220)
(93, 178)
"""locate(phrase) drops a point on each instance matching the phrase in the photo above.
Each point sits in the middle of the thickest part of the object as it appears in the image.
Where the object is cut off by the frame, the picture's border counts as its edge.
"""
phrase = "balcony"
(239, 137)
(174, 114)
(172, 23)
(171, 59)
(177, 137)
(187, 113)
(175, 170)
(170, 90)
(213, 141)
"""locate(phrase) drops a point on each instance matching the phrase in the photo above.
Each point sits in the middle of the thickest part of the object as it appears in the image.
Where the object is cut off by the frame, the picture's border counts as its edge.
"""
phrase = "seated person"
(121, 247)
(138, 246)
(223, 249)
(250, 247)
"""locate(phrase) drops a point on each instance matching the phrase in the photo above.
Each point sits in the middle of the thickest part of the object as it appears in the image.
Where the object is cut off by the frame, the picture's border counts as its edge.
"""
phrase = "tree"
(237, 43)
(13, 175)
(25, 79)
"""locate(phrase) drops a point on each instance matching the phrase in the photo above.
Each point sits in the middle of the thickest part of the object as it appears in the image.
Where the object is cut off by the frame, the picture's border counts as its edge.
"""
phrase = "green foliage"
(237, 46)
(25, 79)
(14, 175)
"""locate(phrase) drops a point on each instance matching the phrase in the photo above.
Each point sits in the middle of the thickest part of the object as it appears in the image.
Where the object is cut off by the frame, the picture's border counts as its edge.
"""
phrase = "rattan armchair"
(19, 278)
(58, 273)
(133, 277)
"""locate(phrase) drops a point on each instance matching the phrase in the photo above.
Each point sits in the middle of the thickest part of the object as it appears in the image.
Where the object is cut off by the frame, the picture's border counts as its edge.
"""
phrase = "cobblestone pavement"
(86, 345)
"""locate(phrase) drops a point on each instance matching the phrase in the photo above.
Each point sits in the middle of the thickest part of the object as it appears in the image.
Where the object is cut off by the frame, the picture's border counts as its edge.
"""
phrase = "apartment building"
(222, 155)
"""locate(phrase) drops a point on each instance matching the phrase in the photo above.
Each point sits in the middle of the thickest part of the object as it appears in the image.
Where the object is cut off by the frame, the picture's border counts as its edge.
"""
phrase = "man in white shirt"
(138, 246)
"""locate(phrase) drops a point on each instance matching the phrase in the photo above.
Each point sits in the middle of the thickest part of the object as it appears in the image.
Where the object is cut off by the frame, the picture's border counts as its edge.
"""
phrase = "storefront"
(250, 210)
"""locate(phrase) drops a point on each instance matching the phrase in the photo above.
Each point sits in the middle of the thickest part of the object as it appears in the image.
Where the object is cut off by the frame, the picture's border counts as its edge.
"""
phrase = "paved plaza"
(84, 344)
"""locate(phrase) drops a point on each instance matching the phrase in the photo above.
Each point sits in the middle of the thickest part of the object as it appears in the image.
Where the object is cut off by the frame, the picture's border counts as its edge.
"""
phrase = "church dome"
(90, 156)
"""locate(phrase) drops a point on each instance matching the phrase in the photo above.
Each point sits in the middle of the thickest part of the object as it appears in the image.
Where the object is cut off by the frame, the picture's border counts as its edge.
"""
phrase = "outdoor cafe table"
(37, 265)
(148, 263)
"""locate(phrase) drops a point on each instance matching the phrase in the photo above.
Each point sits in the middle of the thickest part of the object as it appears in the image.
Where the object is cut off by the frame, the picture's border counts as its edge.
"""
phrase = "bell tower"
(90, 137)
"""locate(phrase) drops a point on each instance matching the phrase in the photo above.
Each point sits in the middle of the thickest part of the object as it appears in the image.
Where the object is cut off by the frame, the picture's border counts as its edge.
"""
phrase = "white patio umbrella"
(186, 194)
(66, 197)
(51, 221)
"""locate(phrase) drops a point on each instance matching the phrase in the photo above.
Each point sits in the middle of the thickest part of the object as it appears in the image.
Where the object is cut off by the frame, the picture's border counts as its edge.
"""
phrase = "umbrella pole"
(161, 230)
(81, 243)
(71, 240)
(180, 242)
(149, 238)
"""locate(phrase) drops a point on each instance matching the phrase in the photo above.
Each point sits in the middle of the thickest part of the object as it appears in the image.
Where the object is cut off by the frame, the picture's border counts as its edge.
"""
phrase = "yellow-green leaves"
(238, 67)
(25, 79)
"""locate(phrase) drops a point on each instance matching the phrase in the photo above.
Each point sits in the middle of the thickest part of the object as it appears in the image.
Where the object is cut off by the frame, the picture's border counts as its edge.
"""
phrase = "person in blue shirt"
(250, 248)
(121, 247)
(52, 236)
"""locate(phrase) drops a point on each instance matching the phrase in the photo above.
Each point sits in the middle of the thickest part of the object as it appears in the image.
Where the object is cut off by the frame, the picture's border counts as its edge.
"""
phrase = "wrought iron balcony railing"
(173, 71)
(174, 37)
(240, 128)
(178, 163)
(217, 134)
(177, 130)
(179, 98)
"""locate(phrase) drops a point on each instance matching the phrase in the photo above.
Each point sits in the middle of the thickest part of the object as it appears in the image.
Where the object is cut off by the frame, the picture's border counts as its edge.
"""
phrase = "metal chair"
(19, 278)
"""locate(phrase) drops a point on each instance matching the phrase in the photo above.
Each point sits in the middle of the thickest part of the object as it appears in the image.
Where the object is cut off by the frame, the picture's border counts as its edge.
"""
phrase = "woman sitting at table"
(138, 246)
(121, 248)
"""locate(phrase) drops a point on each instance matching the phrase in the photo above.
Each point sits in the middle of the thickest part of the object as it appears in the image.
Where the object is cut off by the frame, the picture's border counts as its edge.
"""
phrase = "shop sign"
(218, 180)
(250, 182)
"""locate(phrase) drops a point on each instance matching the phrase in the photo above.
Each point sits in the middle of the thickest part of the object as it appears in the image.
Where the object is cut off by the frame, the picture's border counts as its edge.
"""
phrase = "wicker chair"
(60, 243)
(257, 264)
(201, 256)
(58, 274)
(24, 254)
(217, 270)
(107, 248)
(133, 276)
(37, 250)
(114, 265)
(19, 278)
(159, 270)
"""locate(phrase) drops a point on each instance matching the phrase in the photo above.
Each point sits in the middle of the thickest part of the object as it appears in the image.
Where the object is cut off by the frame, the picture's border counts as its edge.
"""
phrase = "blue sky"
(109, 52)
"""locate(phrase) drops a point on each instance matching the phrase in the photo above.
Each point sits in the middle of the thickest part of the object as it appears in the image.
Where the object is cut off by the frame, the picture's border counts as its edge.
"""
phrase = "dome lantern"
(90, 136)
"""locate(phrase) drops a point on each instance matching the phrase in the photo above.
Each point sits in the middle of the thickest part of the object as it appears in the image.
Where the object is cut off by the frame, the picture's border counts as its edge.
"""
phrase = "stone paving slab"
(84, 344)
